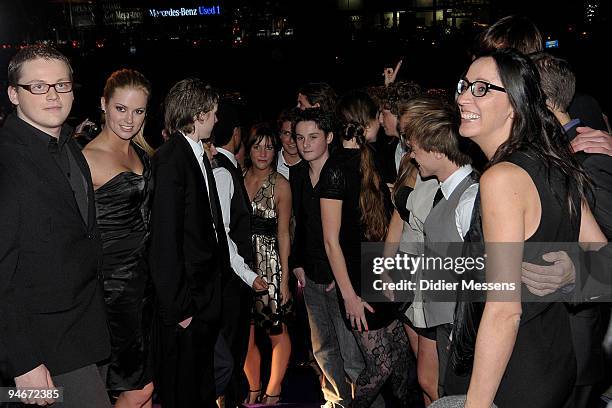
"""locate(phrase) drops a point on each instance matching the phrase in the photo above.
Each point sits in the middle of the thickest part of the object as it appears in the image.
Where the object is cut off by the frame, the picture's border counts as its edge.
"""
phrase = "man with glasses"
(52, 319)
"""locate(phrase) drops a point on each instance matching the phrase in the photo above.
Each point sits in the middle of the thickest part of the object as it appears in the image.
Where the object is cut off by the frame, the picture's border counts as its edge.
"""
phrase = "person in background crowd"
(334, 346)
(240, 153)
(235, 206)
(558, 83)
(413, 199)
(394, 95)
(355, 207)
(288, 155)
(316, 95)
(270, 197)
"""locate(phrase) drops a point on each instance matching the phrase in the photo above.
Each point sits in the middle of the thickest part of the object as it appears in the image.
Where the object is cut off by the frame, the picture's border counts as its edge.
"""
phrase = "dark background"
(266, 72)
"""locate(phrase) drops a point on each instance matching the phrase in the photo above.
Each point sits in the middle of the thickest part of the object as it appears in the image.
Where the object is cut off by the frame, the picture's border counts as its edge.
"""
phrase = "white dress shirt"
(399, 153)
(463, 212)
(225, 189)
(281, 165)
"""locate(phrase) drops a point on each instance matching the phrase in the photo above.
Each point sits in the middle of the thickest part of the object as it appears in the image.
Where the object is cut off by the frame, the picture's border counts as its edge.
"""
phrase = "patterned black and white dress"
(267, 312)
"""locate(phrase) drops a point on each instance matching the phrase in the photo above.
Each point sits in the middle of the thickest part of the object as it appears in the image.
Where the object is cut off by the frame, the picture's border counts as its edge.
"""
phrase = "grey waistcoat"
(441, 229)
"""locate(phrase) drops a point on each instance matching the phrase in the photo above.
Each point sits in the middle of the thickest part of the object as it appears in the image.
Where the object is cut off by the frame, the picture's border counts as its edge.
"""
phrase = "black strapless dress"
(122, 209)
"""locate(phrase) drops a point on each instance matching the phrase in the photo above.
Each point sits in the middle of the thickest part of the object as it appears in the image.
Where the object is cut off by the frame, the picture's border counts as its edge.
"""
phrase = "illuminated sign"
(552, 44)
(186, 12)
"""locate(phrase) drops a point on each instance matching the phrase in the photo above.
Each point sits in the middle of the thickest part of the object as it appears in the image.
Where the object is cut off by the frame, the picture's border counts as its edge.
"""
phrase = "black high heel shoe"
(256, 394)
(270, 399)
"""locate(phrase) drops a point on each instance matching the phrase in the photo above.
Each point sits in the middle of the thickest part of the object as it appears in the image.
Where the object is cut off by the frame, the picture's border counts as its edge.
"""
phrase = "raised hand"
(390, 74)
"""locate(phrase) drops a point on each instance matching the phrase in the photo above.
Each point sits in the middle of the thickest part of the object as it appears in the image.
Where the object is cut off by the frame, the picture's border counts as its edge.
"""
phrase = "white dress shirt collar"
(449, 185)
(198, 149)
(229, 155)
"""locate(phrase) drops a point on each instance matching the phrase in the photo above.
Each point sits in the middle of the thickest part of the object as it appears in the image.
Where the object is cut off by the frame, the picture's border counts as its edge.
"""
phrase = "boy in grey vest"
(433, 136)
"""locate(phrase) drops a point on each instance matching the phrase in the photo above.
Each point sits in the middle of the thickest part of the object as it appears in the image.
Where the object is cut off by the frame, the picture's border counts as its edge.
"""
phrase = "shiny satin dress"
(122, 211)
(267, 312)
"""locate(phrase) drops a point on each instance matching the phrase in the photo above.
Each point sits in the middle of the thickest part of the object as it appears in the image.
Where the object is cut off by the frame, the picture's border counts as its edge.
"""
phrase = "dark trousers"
(186, 371)
(83, 387)
(443, 342)
(224, 365)
(237, 302)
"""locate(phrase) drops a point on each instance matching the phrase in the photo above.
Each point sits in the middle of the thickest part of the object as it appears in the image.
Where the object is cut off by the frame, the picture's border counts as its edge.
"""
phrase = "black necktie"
(213, 198)
(439, 196)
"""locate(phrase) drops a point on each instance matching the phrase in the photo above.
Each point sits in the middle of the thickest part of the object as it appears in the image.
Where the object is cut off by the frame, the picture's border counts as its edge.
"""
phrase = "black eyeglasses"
(42, 88)
(478, 88)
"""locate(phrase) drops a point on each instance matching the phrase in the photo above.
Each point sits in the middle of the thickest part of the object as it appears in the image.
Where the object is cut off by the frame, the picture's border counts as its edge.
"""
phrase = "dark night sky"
(269, 75)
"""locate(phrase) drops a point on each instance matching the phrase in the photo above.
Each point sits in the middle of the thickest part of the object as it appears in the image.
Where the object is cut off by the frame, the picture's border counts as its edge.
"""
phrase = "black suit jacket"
(384, 156)
(586, 320)
(51, 304)
(587, 108)
(187, 263)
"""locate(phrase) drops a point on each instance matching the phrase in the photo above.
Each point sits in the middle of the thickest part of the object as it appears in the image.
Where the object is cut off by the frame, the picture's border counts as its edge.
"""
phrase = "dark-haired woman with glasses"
(533, 191)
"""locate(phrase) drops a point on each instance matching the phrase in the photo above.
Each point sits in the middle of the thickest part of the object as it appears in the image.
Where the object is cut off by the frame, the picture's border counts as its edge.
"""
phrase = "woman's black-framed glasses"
(478, 88)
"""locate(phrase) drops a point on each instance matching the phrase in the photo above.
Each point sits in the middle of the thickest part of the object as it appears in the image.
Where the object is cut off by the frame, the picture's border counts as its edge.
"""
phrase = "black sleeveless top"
(542, 368)
(400, 201)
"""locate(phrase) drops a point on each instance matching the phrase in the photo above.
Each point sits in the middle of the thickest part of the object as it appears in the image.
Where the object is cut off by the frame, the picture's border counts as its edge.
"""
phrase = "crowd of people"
(128, 272)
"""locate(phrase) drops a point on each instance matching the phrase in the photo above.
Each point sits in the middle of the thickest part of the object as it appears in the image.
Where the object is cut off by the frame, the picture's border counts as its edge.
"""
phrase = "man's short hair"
(30, 53)
(185, 100)
(515, 31)
(321, 93)
(227, 120)
(557, 80)
(398, 93)
(322, 118)
(432, 123)
(287, 115)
